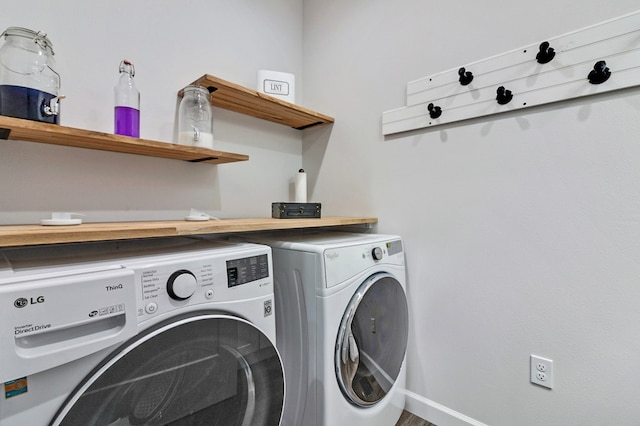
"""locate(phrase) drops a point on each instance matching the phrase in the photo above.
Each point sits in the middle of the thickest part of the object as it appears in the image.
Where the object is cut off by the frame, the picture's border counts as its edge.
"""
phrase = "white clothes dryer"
(156, 332)
(342, 322)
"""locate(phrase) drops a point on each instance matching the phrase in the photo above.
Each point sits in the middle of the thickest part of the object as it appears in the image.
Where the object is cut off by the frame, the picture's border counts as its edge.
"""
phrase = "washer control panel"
(171, 284)
(247, 269)
(342, 263)
(175, 282)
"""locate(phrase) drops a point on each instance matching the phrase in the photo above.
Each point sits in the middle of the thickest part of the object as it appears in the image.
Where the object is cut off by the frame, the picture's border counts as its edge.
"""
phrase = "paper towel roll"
(301, 187)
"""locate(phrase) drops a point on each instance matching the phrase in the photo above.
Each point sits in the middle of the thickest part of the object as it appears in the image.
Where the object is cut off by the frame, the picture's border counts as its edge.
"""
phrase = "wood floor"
(408, 419)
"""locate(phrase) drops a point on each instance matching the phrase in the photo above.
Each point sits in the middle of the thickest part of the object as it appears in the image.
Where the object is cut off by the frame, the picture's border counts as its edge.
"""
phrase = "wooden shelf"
(240, 99)
(21, 235)
(225, 95)
(35, 131)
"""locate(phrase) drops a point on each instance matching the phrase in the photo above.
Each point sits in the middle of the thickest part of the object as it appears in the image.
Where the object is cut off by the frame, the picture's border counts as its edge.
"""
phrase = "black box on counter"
(295, 210)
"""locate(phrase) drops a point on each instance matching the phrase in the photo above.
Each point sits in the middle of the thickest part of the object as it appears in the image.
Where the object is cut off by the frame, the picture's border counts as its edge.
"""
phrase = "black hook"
(434, 111)
(466, 77)
(600, 73)
(504, 96)
(545, 54)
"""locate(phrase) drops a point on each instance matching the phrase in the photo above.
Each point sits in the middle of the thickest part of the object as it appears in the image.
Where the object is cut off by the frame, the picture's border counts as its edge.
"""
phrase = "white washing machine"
(154, 332)
(342, 322)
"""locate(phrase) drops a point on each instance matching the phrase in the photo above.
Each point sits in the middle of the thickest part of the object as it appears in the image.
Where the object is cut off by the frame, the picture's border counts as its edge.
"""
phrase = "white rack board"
(617, 42)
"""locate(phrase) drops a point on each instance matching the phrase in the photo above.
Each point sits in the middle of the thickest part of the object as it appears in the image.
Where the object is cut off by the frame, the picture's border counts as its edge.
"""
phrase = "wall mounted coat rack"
(596, 59)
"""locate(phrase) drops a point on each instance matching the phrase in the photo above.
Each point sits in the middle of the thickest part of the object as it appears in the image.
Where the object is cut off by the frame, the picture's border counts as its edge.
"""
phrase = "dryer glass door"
(372, 340)
(199, 369)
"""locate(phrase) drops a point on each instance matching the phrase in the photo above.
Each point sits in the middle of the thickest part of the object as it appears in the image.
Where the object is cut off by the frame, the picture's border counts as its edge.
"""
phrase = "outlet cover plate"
(541, 371)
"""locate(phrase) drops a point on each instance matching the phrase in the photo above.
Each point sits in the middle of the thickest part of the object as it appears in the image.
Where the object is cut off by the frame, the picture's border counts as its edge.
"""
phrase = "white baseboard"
(436, 413)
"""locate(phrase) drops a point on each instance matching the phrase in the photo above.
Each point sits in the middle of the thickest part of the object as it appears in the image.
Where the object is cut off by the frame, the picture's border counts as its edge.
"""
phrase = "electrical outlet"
(541, 371)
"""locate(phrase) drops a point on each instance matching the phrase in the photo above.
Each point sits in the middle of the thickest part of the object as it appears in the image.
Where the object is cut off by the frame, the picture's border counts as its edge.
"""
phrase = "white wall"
(521, 230)
(171, 43)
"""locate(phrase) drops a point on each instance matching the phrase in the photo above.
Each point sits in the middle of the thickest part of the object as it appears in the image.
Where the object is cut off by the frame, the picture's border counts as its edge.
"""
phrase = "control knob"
(376, 253)
(181, 285)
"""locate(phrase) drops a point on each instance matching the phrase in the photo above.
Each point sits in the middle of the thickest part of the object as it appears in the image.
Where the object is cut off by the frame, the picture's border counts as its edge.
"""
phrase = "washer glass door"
(372, 340)
(198, 369)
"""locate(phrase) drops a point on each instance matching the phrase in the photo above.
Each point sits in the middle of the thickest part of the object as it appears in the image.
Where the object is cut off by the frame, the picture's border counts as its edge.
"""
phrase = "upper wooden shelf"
(21, 235)
(35, 131)
(240, 99)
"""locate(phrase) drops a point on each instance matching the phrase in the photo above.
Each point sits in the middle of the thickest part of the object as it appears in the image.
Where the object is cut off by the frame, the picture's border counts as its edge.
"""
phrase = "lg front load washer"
(342, 322)
(156, 332)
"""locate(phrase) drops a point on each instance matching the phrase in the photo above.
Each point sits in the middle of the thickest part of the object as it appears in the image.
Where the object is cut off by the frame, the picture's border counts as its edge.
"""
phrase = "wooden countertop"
(21, 235)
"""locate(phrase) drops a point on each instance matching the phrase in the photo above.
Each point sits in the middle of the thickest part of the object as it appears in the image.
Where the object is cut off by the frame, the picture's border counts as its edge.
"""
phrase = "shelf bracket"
(4, 133)
(200, 160)
(306, 126)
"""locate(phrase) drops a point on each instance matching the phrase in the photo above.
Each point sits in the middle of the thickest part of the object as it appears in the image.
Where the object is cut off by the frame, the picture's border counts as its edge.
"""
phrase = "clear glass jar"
(195, 118)
(29, 84)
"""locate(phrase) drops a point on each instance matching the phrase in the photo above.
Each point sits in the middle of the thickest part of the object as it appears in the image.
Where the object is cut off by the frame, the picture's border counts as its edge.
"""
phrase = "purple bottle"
(127, 103)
